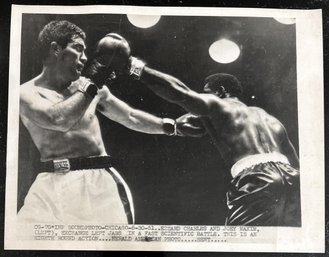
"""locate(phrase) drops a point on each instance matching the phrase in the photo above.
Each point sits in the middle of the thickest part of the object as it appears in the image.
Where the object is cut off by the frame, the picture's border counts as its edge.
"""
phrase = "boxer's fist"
(111, 58)
(113, 51)
(190, 125)
(97, 72)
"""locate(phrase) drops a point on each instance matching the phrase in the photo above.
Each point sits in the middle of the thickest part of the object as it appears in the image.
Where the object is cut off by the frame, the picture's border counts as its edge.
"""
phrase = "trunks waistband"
(81, 163)
(255, 159)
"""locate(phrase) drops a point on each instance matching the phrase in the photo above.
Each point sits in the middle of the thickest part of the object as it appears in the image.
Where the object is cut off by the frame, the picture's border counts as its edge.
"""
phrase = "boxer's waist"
(255, 159)
(81, 163)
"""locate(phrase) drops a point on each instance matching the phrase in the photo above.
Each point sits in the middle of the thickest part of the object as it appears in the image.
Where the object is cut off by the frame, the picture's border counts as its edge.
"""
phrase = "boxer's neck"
(50, 78)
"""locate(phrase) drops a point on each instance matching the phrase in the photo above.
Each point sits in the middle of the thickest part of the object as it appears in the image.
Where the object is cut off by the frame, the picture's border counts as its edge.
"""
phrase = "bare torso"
(243, 131)
(83, 139)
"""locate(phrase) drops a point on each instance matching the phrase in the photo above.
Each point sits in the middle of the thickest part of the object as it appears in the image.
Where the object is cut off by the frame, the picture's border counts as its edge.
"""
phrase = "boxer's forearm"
(67, 113)
(144, 122)
(64, 115)
(134, 119)
(59, 116)
(174, 91)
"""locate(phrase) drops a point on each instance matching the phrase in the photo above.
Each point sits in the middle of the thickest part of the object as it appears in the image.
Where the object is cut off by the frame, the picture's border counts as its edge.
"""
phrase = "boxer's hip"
(264, 191)
(256, 159)
(79, 190)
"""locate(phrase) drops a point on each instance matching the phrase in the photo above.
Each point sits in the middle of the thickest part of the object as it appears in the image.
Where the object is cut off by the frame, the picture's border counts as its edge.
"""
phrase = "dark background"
(4, 58)
(177, 180)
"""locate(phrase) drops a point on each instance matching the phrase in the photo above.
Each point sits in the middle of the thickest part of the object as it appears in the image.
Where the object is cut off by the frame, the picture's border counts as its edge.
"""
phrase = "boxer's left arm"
(175, 91)
(113, 51)
(119, 111)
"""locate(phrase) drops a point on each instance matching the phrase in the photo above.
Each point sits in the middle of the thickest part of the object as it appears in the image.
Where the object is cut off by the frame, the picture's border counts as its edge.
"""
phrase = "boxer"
(264, 190)
(76, 181)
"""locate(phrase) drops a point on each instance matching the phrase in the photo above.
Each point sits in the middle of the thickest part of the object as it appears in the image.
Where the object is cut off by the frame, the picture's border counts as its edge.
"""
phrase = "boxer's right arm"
(61, 116)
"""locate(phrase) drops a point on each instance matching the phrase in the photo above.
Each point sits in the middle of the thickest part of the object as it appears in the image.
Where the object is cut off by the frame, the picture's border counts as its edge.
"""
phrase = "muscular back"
(82, 139)
(239, 130)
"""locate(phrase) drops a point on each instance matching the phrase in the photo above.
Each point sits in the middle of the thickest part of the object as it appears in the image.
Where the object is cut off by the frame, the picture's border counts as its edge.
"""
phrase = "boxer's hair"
(61, 32)
(116, 36)
(224, 84)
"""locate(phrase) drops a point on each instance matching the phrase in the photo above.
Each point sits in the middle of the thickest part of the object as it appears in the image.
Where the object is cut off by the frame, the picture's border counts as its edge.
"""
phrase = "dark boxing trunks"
(265, 194)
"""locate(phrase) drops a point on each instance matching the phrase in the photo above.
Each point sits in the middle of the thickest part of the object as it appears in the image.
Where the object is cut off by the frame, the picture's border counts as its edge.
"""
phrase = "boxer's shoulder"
(28, 90)
(32, 91)
(32, 86)
(230, 107)
(29, 85)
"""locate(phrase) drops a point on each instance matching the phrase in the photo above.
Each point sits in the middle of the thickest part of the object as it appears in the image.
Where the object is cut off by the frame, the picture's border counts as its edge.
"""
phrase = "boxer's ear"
(54, 48)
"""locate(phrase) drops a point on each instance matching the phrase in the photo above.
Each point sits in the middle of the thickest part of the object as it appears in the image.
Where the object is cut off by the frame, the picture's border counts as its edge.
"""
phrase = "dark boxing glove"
(111, 58)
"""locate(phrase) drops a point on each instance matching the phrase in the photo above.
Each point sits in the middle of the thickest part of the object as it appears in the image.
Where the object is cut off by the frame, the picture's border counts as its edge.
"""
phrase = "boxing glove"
(111, 58)
(113, 51)
(190, 125)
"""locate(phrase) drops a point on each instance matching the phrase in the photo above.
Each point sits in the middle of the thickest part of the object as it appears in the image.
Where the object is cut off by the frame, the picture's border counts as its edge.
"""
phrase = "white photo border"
(309, 238)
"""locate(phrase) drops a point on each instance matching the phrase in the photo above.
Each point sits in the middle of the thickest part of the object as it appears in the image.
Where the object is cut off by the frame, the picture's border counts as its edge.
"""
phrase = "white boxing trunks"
(98, 196)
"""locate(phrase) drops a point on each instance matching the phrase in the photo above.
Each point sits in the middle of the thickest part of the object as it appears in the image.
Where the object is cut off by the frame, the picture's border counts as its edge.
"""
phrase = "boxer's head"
(61, 32)
(223, 85)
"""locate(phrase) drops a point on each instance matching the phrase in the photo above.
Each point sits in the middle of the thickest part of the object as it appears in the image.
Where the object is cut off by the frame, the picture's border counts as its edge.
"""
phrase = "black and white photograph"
(165, 129)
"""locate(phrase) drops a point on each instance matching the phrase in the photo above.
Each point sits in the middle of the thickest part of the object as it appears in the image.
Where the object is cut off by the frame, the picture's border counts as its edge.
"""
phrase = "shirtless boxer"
(264, 165)
(76, 182)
